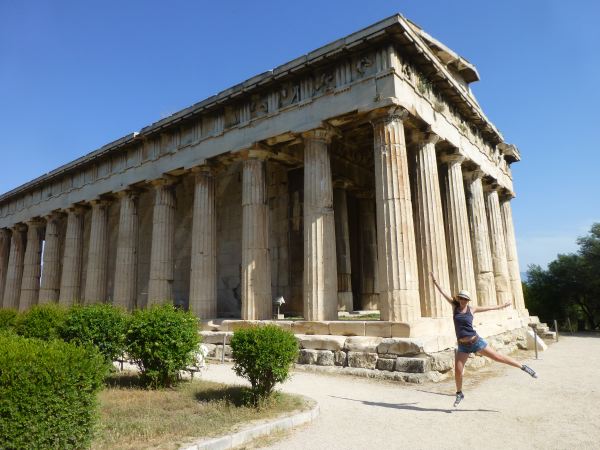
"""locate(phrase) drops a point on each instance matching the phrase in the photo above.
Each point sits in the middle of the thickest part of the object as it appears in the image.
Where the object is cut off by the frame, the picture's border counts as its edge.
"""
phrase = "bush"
(162, 341)
(42, 322)
(101, 325)
(47, 393)
(8, 319)
(263, 355)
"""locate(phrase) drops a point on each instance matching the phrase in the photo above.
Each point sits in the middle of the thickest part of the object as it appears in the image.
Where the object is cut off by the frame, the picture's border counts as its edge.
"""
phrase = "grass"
(135, 418)
(374, 316)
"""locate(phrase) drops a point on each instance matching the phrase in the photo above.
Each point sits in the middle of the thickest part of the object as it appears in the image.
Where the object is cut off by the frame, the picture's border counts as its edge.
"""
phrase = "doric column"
(4, 255)
(162, 263)
(396, 249)
(369, 289)
(97, 263)
(14, 274)
(342, 244)
(429, 223)
(32, 265)
(511, 252)
(498, 246)
(460, 253)
(480, 240)
(125, 291)
(70, 281)
(320, 266)
(203, 277)
(256, 268)
(50, 285)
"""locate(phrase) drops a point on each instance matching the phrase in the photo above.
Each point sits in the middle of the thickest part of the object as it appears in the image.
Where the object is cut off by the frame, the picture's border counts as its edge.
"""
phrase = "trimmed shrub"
(42, 322)
(101, 325)
(48, 393)
(162, 340)
(8, 319)
(263, 355)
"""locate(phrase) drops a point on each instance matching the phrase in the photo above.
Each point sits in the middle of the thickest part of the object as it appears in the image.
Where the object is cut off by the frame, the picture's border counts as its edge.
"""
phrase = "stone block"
(209, 349)
(307, 356)
(219, 351)
(308, 327)
(412, 365)
(284, 324)
(400, 346)
(362, 344)
(216, 337)
(531, 339)
(325, 358)
(423, 327)
(386, 364)
(347, 328)
(378, 328)
(362, 360)
(213, 325)
(340, 358)
(442, 361)
(321, 342)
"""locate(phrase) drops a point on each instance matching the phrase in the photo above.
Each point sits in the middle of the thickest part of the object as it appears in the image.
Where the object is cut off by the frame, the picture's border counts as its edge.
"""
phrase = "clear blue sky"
(75, 75)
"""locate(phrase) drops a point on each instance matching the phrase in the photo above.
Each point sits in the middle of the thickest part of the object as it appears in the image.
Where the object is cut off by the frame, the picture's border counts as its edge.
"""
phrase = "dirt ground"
(503, 407)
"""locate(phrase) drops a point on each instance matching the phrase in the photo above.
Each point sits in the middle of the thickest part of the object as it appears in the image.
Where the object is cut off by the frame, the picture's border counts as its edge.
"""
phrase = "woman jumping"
(468, 339)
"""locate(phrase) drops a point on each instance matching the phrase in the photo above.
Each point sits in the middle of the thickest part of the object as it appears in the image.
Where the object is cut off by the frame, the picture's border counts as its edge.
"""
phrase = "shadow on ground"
(411, 407)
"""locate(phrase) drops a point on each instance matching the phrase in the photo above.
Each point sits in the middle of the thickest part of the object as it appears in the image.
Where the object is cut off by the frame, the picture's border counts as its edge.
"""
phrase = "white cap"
(464, 294)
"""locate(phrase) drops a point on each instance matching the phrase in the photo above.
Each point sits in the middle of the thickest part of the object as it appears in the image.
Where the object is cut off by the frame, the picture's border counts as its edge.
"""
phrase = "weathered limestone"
(4, 256)
(97, 262)
(429, 224)
(511, 253)
(460, 255)
(203, 278)
(480, 240)
(125, 289)
(160, 287)
(256, 271)
(70, 283)
(14, 274)
(320, 265)
(498, 246)
(369, 295)
(397, 254)
(50, 284)
(342, 244)
(32, 268)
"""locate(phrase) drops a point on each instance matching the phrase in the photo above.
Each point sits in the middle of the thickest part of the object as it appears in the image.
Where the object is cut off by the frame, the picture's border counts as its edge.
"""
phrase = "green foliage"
(570, 287)
(42, 322)
(100, 325)
(162, 341)
(47, 393)
(263, 355)
(8, 319)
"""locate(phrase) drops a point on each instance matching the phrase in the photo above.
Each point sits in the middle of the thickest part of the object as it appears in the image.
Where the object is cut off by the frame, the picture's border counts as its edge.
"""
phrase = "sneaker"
(459, 397)
(529, 370)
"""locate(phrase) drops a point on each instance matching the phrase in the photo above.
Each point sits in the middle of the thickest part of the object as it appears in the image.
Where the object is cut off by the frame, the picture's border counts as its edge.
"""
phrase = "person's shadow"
(411, 407)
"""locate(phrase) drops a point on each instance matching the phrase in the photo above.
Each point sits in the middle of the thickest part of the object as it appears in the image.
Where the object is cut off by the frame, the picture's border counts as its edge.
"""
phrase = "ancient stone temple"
(337, 181)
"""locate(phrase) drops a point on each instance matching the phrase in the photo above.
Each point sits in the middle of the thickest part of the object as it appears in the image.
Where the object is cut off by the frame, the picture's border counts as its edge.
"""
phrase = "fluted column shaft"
(126, 267)
(50, 284)
(97, 263)
(14, 274)
(320, 265)
(369, 296)
(70, 282)
(32, 266)
(396, 248)
(498, 246)
(256, 270)
(480, 240)
(511, 254)
(342, 244)
(460, 257)
(203, 277)
(4, 256)
(162, 263)
(431, 248)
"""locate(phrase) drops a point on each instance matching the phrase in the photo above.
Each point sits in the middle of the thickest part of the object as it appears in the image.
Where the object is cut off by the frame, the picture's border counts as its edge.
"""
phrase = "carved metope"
(50, 285)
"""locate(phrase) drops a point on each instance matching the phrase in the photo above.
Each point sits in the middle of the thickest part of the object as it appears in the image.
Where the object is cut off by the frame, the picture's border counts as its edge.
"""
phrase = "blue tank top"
(463, 323)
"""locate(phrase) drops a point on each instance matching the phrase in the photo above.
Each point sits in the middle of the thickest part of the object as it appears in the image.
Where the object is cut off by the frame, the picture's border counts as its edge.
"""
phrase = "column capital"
(424, 137)
(388, 115)
(18, 227)
(54, 215)
(132, 192)
(490, 185)
(453, 158)
(100, 203)
(325, 134)
(506, 195)
(35, 222)
(204, 169)
(4, 232)
(164, 181)
(77, 209)
(342, 183)
(474, 174)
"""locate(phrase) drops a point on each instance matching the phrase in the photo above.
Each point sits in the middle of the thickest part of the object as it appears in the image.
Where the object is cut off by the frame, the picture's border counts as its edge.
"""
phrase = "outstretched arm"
(444, 294)
(476, 309)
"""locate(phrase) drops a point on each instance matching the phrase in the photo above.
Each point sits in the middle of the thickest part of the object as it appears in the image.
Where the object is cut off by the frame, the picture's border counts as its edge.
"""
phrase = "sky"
(75, 75)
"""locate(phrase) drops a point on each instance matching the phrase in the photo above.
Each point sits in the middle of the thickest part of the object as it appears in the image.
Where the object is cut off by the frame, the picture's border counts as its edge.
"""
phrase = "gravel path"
(503, 407)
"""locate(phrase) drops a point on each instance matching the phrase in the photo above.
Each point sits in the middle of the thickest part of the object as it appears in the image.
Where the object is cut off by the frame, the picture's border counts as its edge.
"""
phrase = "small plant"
(48, 393)
(42, 322)
(100, 325)
(263, 355)
(8, 319)
(162, 340)
(424, 85)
